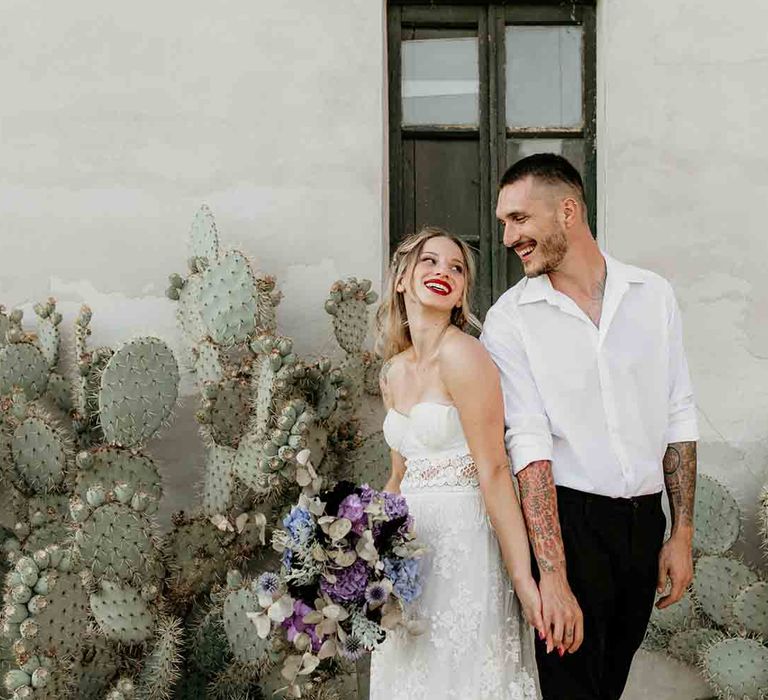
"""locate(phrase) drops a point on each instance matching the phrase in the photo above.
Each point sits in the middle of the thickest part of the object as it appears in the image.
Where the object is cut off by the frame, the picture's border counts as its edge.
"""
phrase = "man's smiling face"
(528, 210)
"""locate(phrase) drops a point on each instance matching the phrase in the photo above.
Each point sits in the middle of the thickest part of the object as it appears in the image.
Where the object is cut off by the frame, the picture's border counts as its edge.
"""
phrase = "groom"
(600, 419)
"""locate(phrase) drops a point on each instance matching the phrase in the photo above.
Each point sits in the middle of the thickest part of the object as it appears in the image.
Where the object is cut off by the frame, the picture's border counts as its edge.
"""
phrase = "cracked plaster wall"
(682, 147)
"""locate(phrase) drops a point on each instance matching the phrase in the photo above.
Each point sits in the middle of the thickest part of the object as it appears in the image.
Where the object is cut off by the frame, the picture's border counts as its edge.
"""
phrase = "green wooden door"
(472, 88)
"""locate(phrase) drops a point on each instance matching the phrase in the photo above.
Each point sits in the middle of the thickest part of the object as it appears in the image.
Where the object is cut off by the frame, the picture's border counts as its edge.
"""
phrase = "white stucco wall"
(119, 121)
(682, 151)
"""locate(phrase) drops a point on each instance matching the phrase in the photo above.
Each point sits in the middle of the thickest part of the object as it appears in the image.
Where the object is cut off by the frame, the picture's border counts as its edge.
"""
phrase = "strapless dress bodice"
(433, 445)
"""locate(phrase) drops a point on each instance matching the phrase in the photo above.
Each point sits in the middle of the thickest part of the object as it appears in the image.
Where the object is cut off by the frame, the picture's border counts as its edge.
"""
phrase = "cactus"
(122, 613)
(97, 605)
(161, 667)
(139, 388)
(736, 668)
(716, 583)
(47, 604)
(687, 644)
(228, 299)
(23, 365)
(246, 645)
(203, 237)
(750, 609)
(717, 519)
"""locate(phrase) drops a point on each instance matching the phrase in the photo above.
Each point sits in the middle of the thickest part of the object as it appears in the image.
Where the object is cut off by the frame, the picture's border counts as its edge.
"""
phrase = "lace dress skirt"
(476, 646)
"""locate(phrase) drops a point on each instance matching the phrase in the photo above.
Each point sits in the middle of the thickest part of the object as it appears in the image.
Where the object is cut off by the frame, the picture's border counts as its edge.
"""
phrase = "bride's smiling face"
(437, 277)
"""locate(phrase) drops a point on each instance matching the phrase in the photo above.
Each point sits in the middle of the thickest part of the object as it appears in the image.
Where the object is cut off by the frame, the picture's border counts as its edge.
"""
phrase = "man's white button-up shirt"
(601, 403)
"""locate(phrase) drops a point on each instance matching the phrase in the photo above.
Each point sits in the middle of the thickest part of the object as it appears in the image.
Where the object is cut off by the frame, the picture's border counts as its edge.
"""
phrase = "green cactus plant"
(736, 668)
(138, 390)
(122, 613)
(716, 583)
(717, 518)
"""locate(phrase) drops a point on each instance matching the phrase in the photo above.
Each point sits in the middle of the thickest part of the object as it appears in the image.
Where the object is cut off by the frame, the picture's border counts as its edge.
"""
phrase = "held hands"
(530, 601)
(563, 619)
(675, 565)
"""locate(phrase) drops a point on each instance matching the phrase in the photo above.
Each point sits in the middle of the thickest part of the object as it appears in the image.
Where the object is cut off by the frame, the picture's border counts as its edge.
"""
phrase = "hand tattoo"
(539, 501)
(680, 480)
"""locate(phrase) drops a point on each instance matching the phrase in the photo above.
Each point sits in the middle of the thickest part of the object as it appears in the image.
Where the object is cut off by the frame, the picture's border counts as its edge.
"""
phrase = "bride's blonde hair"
(394, 336)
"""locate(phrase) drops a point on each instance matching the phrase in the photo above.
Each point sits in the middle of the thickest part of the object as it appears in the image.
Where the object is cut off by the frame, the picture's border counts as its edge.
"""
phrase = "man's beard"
(551, 250)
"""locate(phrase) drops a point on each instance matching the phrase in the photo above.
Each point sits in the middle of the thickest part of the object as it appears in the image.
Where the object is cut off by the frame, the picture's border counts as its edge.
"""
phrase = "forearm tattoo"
(539, 501)
(680, 480)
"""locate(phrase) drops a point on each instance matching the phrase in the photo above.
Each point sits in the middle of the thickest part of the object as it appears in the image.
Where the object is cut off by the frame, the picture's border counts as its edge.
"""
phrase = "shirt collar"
(540, 288)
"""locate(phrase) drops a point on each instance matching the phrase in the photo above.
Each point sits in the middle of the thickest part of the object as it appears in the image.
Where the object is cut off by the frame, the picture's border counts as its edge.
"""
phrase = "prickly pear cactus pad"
(218, 479)
(241, 633)
(39, 455)
(47, 604)
(121, 613)
(750, 609)
(228, 299)
(40, 677)
(717, 518)
(207, 363)
(370, 462)
(47, 523)
(94, 668)
(203, 237)
(23, 365)
(187, 311)
(737, 668)
(139, 388)
(687, 644)
(675, 617)
(48, 333)
(110, 466)
(348, 304)
(161, 668)
(226, 410)
(717, 582)
(113, 538)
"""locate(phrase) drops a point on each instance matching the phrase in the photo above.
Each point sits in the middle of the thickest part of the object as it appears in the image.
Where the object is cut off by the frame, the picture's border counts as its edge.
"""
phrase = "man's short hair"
(547, 167)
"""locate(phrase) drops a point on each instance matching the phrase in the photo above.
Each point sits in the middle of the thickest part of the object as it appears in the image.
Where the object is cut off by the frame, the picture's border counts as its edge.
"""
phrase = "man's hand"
(675, 565)
(563, 618)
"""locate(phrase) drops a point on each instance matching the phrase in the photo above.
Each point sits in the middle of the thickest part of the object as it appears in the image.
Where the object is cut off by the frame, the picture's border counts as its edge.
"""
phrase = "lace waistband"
(429, 472)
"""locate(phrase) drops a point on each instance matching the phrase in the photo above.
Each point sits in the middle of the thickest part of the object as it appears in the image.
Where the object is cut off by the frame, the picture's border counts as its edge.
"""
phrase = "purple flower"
(395, 505)
(352, 508)
(367, 494)
(376, 594)
(295, 625)
(350, 584)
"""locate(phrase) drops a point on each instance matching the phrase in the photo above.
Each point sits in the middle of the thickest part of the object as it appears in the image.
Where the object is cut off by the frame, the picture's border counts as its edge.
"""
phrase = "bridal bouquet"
(350, 562)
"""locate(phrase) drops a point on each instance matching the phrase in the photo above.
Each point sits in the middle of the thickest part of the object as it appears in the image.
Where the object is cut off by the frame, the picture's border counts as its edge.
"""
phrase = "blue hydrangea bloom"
(404, 574)
(299, 524)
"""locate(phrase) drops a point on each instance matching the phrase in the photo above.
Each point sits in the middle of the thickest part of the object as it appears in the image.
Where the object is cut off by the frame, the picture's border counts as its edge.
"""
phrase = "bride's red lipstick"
(443, 288)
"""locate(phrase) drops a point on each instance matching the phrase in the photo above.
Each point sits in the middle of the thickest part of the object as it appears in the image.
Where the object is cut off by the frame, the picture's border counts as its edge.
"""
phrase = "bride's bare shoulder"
(461, 352)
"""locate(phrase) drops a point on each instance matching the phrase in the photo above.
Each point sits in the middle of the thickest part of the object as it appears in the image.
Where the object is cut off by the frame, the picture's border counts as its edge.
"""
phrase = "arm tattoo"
(539, 501)
(680, 480)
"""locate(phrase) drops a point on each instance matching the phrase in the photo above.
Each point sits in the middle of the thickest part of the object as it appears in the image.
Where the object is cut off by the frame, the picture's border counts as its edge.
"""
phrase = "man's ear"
(571, 211)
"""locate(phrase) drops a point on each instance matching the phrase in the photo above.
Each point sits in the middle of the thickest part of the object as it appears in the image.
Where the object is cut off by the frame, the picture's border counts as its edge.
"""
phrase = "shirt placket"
(613, 298)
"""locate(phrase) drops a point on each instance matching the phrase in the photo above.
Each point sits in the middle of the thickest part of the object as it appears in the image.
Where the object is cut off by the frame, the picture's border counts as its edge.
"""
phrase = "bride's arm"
(398, 463)
(473, 383)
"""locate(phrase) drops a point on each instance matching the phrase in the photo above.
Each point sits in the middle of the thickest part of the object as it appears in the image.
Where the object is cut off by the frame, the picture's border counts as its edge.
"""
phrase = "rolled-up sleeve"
(528, 437)
(682, 422)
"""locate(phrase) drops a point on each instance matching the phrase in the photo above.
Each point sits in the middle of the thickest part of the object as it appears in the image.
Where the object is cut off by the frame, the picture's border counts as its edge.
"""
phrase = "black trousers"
(611, 547)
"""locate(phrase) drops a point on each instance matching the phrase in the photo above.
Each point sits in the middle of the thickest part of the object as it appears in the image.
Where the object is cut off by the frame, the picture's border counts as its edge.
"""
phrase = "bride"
(445, 426)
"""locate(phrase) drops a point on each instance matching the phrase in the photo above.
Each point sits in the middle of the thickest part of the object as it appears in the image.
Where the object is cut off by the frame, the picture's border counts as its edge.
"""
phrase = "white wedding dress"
(477, 645)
